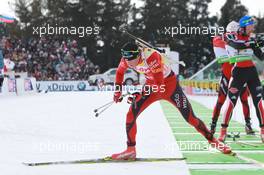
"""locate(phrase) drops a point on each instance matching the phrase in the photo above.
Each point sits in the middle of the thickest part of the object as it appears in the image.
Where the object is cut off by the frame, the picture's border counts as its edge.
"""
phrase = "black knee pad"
(233, 97)
(224, 125)
(1, 81)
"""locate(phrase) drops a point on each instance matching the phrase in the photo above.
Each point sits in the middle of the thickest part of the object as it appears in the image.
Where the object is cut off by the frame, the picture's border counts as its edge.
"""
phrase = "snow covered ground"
(62, 126)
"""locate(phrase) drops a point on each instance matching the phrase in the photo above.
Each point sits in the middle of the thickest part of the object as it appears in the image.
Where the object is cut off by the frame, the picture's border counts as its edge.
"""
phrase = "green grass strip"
(256, 156)
(196, 142)
(227, 172)
(211, 157)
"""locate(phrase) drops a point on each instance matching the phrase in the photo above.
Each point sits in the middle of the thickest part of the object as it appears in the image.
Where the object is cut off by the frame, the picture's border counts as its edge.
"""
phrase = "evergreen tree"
(30, 15)
(193, 48)
(156, 15)
(112, 14)
(232, 10)
(260, 24)
(199, 46)
(24, 14)
(56, 12)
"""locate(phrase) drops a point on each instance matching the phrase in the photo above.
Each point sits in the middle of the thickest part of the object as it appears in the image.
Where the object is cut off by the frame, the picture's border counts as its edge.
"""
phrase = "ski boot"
(248, 129)
(222, 134)
(220, 146)
(128, 154)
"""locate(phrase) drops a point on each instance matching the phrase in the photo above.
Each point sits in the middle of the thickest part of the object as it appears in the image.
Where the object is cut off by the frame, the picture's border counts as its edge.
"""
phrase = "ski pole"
(98, 113)
(103, 106)
(106, 106)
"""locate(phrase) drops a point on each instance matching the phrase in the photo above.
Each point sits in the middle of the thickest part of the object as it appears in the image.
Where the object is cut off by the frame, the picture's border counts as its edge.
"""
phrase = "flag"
(6, 19)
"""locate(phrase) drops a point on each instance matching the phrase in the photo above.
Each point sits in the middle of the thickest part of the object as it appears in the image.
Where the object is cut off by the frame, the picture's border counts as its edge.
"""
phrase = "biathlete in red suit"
(240, 51)
(161, 83)
(222, 56)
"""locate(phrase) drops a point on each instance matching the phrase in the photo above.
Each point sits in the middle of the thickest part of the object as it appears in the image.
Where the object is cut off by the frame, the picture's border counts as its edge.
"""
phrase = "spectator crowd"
(49, 59)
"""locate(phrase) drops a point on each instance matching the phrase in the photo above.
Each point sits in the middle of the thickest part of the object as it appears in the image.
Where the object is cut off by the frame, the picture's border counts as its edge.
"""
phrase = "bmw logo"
(81, 86)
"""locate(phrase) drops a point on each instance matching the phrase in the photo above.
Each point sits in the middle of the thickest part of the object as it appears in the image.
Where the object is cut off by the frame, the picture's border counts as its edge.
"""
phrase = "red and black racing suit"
(220, 51)
(158, 73)
(244, 72)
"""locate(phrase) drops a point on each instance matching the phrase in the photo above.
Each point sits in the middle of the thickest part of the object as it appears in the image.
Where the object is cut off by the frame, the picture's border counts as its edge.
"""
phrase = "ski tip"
(232, 154)
(27, 164)
(36, 164)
